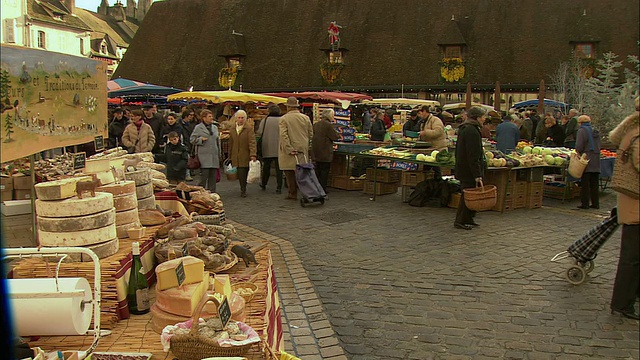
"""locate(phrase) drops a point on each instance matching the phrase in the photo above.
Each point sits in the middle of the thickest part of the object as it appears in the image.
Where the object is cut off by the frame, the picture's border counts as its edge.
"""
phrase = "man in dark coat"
(413, 124)
(156, 122)
(470, 162)
(324, 135)
(116, 127)
(571, 130)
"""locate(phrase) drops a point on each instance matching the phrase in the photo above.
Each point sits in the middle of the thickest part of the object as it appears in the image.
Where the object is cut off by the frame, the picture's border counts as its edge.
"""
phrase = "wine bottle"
(138, 290)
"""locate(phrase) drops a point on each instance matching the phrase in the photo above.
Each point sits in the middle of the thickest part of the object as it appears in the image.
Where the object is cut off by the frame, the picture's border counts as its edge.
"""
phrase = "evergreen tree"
(603, 91)
(8, 127)
(5, 87)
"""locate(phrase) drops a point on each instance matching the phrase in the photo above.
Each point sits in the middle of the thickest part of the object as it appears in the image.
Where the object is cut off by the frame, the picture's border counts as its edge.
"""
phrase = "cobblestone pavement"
(399, 282)
(384, 280)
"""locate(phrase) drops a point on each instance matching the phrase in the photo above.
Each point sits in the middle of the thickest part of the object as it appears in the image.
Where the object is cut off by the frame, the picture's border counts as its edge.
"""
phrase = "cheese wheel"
(58, 189)
(77, 223)
(144, 191)
(147, 203)
(106, 177)
(121, 230)
(102, 250)
(182, 300)
(93, 166)
(125, 202)
(141, 177)
(160, 318)
(127, 216)
(74, 206)
(119, 188)
(77, 238)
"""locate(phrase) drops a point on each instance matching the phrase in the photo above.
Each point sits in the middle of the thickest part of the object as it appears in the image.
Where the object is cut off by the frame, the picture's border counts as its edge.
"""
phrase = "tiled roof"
(43, 10)
(108, 25)
(390, 42)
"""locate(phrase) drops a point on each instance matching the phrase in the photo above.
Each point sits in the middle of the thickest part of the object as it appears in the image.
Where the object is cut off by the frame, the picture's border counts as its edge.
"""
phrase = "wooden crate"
(534, 201)
(537, 174)
(534, 188)
(556, 190)
(406, 192)
(412, 178)
(338, 165)
(384, 175)
(380, 188)
(345, 182)
(454, 200)
(504, 202)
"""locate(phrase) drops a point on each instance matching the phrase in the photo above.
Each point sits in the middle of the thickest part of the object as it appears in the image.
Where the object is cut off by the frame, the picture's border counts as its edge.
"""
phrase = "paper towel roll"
(52, 313)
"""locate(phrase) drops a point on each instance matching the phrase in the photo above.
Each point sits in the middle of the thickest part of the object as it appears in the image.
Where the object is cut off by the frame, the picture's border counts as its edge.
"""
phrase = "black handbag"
(193, 162)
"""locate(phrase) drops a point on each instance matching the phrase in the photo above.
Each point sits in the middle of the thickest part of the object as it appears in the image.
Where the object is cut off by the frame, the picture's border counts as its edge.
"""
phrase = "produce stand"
(135, 334)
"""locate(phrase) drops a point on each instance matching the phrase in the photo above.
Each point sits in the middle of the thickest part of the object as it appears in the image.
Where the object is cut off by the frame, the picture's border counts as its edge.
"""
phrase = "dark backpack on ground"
(433, 193)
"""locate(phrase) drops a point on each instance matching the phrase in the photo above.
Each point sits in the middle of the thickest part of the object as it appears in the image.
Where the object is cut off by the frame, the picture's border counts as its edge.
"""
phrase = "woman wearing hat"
(588, 142)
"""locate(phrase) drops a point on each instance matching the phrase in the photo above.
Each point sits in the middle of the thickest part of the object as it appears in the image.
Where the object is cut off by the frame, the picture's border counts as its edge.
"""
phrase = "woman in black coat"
(470, 162)
(555, 132)
(378, 128)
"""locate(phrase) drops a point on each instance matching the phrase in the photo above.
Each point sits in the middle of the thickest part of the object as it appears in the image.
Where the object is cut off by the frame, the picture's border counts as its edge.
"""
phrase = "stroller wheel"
(588, 266)
(576, 275)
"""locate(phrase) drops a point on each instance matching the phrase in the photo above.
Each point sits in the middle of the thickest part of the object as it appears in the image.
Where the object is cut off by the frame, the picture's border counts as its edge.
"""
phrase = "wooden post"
(496, 98)
(541, 99)
(469, 95)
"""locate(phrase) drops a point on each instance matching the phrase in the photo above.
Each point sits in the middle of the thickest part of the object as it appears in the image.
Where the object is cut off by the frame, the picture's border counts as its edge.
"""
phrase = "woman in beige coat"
(138, 136)
(627, 284)
(242, 145)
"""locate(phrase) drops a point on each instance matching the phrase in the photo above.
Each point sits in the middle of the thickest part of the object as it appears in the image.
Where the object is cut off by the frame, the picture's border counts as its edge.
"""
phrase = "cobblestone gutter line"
(307, 331)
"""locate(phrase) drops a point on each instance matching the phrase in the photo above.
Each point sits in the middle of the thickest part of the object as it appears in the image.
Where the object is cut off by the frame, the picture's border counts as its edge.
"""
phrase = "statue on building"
(334, 35)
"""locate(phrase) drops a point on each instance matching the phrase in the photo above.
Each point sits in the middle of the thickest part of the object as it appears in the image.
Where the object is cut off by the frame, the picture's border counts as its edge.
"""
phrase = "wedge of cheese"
(166, 272)
(222, 285)
(182, 301)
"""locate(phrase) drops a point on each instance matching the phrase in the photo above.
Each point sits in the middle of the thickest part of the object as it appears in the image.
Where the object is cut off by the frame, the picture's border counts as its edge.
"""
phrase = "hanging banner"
(49, 100)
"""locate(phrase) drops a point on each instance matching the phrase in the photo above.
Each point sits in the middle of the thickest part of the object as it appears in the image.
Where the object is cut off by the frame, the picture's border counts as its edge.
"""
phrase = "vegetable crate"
(384, 175)
(412, 178)
(380, 188)
(454, 200)
(345, 182)
(534, 195)
(406, 192)
(519, 194)
(338, 165)
(558, 190)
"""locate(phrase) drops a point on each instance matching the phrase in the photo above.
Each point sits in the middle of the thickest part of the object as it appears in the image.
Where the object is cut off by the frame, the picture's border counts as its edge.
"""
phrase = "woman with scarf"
(588, 142)
(138, 136)
(206, 138)
(242, 148)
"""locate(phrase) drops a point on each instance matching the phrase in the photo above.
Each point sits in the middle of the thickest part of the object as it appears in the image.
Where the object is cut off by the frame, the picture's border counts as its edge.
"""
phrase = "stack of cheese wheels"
(101, 168)
(126, 204)
(65, 220)
(144, 187)
(175, 303)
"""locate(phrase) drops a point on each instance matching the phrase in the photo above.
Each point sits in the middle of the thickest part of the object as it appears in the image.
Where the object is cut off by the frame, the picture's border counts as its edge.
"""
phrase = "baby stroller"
(584, 250)
(308, 183)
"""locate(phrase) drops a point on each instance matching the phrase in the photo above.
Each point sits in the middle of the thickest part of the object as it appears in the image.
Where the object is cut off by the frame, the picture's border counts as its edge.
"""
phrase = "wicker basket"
(192, 346)
(232, 177)
(245, 285)
(198, 207)
(481, 198)
(225, 267)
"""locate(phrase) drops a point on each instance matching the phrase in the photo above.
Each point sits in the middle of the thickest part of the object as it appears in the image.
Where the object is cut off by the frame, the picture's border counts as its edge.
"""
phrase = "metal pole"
(32, 170)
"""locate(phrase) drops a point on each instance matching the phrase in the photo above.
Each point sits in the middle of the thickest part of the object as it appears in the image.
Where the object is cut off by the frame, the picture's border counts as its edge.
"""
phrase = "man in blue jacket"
(507, 134)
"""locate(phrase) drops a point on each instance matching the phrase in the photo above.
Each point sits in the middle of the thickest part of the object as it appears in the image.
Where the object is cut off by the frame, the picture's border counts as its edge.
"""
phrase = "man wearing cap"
(413, 124)
(295, 132)
(116, 128)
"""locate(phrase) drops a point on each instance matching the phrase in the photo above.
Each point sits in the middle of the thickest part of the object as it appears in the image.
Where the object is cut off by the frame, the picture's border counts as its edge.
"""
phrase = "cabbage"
(435, 153)
(549, 159)
(536, 150)
(559, 161)
(546, 151)
(527, 149)
(421, 157)
(488, 155)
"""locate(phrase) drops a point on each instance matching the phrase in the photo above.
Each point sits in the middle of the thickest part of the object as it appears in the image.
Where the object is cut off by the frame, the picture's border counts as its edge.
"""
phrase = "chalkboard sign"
(79, 160)
(99, 143)
(185, 249)
(180, 273)
(224, 311)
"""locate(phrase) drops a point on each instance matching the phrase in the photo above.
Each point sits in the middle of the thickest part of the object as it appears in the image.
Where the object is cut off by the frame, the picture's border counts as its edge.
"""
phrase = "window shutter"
(10, 30)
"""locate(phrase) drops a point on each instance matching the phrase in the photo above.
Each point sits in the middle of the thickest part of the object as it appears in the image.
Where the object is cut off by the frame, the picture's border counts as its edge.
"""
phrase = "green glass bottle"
(138, 289)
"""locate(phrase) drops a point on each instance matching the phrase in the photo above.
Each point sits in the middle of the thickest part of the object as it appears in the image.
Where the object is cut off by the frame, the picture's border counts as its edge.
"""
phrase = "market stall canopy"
(218, 97)
(456, 106)
(400, 101)
(329, 96)
(547, 102)
(122, 87)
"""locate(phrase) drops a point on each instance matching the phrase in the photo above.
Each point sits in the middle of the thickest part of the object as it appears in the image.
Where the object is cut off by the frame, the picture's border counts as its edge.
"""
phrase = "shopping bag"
(586, 248)
(577, 164)
(254, 172)
(626, 179)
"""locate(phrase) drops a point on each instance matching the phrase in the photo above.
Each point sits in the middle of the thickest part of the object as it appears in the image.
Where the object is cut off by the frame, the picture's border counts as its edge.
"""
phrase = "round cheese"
(125, 202)
(102, 250)
(119, 188)
(121, 230)
(74, 206)
(77, 223)
(141, 177)
(106, 177)
(127, 216)
(147, 203)
(144, 191)
(77, 238)
(58, 189)
(161, 318)
(93, 166)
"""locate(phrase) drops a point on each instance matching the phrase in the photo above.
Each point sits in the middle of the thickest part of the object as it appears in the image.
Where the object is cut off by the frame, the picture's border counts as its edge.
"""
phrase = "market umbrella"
(401, 101)
(122, 87)
(547, 102)
(218, 97)
(456, 106)
(329, 96)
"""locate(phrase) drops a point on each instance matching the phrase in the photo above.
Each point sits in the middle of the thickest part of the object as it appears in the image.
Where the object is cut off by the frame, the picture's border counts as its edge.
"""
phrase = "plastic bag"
(254, 172)
(228, 168)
